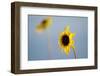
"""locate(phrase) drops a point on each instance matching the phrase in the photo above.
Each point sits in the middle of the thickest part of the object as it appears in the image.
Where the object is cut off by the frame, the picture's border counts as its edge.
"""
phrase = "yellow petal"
(39, 30)
(71, 42)
(72, 35)
(67, 50)
(67, 28)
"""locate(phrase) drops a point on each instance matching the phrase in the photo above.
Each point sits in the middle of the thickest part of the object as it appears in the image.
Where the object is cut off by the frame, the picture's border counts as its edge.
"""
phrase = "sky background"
(38, 42)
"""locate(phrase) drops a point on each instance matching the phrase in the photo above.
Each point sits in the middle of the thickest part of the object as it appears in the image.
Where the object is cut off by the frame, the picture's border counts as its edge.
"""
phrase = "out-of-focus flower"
(46, 23)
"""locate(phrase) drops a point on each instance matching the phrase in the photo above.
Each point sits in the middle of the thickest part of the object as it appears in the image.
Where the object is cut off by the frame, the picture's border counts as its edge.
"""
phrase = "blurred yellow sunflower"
(43, 26)
(46, 23)
(66, 40)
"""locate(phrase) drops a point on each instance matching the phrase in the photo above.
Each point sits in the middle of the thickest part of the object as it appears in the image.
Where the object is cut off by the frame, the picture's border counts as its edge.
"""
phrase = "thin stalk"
(49, 45)
(74, 52)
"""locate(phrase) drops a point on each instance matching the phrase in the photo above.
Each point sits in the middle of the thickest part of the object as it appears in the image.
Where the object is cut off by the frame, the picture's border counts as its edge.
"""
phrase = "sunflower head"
(66, 40)
(46, 23)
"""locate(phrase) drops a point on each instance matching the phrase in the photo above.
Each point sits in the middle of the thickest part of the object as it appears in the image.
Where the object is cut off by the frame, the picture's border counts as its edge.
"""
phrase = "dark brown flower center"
(44, 23)
(65, 40)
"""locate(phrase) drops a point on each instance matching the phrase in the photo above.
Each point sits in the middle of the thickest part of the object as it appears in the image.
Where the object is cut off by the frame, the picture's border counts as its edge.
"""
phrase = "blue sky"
(38, 43)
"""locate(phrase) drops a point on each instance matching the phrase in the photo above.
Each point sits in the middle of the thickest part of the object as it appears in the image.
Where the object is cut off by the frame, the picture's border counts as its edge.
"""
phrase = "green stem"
(74, 52)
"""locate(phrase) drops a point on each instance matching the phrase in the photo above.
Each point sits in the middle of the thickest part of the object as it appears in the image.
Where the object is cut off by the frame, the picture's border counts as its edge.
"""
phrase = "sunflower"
(66, 40)
(46, 23)
(42, 27)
